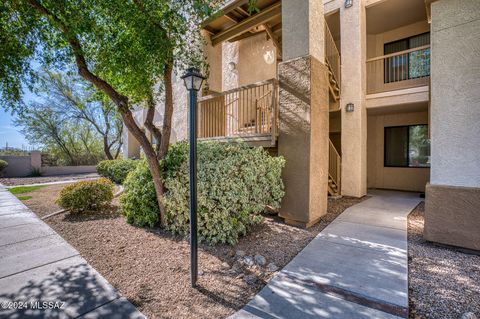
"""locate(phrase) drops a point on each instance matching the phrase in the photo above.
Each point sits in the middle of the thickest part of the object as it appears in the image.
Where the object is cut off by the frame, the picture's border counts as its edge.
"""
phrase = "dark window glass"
(408, 65)
(407, 146)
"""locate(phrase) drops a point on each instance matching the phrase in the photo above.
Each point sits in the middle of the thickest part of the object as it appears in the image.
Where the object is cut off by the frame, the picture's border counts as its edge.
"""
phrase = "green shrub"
(86, 196)
(116, 170)
(3, 165)
(235, 184)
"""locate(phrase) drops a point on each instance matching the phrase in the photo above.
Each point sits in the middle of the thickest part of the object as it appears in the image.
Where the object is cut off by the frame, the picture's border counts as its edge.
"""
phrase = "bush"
(116, 170)
(3, 165)
(86, 196)
(235, 184)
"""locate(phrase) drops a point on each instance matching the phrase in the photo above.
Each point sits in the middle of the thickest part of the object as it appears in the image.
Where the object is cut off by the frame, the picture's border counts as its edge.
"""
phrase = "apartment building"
(355, 94)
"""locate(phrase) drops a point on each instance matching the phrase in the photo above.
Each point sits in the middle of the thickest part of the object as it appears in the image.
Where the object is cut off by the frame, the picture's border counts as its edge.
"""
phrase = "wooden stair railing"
(332, 59)
(334, 170)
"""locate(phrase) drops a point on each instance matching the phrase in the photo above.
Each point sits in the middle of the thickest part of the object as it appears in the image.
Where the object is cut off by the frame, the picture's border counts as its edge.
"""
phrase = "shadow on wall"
(72, 290)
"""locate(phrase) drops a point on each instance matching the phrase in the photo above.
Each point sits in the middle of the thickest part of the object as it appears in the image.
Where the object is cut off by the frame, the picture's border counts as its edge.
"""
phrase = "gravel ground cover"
(14, 181)
(151, 267)
(443, 282)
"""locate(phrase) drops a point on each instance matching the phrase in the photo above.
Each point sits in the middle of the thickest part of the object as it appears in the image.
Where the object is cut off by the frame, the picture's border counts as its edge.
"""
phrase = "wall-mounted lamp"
(232, 66)
(349, 108)
(348, 3)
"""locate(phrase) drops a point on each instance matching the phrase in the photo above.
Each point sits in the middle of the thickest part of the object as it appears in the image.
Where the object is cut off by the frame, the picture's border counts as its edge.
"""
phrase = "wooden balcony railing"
(247, 111)
(332, 56)
(399, 70)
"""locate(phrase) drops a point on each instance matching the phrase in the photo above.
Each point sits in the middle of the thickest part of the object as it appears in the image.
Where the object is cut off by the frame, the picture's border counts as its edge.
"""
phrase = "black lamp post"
(193, 82)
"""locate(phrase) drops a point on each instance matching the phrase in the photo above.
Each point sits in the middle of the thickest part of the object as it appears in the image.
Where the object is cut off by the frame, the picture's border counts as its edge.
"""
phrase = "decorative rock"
(272, 267)
(260, 260)
(239, 254)
(469, 315)
(250, 279)
(248, 261)
(236, 267)
(200, 272)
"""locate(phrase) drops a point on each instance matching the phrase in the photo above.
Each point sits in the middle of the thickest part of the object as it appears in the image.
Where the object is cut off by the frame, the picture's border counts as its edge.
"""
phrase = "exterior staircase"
(334, 170)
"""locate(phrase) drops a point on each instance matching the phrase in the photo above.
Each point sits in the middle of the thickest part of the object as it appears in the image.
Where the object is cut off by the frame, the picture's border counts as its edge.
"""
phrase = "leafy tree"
(69, 143)
(71, 96)
(123, 48)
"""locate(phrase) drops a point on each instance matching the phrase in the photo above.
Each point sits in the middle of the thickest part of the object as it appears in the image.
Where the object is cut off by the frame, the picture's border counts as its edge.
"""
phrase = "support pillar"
(452, 214)
(353, 90)
(304, 112)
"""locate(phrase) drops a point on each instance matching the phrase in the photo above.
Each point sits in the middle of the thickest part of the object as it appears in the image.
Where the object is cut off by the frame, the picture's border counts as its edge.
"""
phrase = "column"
(353, 90)
(452, 214)
(304, 107)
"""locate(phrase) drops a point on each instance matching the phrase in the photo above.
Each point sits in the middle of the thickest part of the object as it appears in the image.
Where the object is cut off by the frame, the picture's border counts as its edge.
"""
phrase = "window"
(407, 146)
(410, 65)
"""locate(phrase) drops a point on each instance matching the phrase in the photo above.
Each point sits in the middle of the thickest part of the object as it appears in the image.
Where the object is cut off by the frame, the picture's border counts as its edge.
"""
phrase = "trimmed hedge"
(116, 170)
(86, 196)
(235, 184)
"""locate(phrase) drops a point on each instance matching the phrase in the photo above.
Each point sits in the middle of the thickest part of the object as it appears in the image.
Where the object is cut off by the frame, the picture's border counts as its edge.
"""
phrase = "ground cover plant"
(235, 184)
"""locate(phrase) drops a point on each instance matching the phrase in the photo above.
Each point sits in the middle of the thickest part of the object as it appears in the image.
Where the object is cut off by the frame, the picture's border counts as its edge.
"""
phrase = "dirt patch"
(151, 267)
(15, 181)
(443, 282)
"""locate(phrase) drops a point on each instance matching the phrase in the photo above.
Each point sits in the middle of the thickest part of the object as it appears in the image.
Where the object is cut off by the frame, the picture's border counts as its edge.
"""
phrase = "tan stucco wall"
(302, 26)
(455, 108)
(248, 56)
(401, 178)
(353, 87)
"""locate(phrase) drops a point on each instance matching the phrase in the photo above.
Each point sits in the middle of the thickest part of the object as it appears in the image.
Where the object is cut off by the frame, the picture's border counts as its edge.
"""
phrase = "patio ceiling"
(235, 22)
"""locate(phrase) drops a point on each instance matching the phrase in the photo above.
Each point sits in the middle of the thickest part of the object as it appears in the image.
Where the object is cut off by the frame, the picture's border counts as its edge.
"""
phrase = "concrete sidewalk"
(40, 272)
(356, 267)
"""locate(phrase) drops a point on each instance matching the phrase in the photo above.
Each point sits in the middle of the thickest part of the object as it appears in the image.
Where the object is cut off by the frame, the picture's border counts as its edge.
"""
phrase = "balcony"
(400, 70)
(249, 113)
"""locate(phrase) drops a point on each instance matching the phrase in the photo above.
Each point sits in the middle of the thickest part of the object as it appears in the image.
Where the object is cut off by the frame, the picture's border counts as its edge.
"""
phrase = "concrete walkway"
(37, 267)
(356, 267)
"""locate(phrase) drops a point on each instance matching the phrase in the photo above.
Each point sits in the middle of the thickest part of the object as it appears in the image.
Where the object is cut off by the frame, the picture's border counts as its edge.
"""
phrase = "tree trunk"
(106, 148)
(167, 118)
(153, 163)
(120, 101)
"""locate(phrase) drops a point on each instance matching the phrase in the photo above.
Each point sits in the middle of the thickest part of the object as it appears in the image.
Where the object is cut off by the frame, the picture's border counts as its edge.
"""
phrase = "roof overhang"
(234, 22)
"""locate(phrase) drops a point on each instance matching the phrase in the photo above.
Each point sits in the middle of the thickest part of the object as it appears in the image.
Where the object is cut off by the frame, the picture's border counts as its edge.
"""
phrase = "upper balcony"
(243, 50)
(397, 54)
(400, 70)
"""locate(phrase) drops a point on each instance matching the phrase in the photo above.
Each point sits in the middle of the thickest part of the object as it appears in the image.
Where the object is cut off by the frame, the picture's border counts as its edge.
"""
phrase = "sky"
(9, 133)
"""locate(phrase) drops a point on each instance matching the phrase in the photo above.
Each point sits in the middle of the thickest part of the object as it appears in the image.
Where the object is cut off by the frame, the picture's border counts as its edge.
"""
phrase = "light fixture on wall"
(232, 66)
(348, 3)
(349, 107)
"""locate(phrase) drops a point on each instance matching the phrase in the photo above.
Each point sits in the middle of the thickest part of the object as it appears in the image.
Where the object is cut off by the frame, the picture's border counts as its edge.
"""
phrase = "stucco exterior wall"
(455, 108)
(400, 178)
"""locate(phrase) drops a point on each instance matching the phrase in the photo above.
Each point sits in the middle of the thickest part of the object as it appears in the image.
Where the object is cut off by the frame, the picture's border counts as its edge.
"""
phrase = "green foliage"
(24, 197)
(86, 196)
(235, 184)
(126, 43)
(139, 200)
(24, 189)
(3, 165)
(116, 170)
